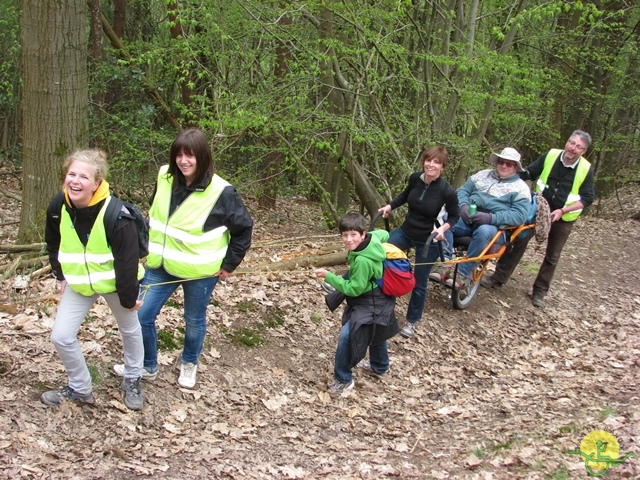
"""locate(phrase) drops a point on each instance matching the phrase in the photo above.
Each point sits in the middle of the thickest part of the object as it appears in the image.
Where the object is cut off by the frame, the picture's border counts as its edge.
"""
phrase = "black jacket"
(228, 211)
(425, 203)
(372, 320)
(560, 182)
(123, 241)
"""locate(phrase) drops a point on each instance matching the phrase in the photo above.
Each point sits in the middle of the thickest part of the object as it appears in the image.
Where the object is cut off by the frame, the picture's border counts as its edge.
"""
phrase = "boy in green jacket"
(368, 320)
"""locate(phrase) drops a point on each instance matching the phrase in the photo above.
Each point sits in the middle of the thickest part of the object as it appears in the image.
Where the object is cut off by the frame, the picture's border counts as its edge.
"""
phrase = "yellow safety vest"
(582, 170)
(87, 270)
(179, 243)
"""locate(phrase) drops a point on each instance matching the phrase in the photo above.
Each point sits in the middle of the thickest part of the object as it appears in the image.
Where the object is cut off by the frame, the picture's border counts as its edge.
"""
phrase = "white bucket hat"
(508, 154)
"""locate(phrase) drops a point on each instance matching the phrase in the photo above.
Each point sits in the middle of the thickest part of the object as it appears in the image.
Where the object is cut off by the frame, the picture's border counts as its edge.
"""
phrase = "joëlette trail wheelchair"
(461, 298)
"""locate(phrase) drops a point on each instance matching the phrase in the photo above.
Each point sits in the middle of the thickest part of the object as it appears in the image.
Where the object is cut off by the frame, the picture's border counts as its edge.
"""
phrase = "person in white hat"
(500, 198)
(565, 179)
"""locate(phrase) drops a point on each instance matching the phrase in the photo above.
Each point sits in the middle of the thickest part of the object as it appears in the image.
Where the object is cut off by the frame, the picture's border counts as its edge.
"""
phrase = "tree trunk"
(55, 106)
(273, 160)
(185, 76)
(119, 17)
(334, 179)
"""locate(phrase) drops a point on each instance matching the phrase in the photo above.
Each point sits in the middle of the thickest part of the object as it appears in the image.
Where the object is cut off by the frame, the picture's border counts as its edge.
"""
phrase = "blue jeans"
(421, 271)
(196, 299)
(378, 357)
(480, 238)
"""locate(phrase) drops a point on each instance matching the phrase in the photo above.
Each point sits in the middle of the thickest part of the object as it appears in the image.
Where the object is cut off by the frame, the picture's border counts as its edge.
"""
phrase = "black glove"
(481, 218)
(464, 214)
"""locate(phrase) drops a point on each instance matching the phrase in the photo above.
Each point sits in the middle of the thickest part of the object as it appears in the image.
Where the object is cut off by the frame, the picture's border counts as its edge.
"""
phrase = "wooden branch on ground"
(21, 262)
(34, 247)
(10, 194)
(309, 261)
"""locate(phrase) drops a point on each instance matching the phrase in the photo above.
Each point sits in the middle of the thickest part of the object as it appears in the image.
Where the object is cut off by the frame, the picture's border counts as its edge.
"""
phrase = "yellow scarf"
(100, 194)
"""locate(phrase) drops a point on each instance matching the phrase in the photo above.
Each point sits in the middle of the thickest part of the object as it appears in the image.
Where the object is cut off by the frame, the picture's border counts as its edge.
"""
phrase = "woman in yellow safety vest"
(199, 231)
(89, 261)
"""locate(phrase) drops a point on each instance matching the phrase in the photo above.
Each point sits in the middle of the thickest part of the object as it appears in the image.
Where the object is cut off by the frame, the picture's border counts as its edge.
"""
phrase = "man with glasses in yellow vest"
(565, 179)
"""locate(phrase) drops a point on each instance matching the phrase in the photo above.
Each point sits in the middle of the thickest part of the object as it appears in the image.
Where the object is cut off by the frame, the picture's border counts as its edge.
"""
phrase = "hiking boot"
(490, 282)
(439, 273)
(133, 398)
(337, 389)
(327, 288)
(149, 377)
(537, 299)
(52, 398)
(409, 330)
(187, 378)
(366, 368)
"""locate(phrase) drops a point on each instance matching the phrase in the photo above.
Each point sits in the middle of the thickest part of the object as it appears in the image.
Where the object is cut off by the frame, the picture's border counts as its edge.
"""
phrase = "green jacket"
(365, 264)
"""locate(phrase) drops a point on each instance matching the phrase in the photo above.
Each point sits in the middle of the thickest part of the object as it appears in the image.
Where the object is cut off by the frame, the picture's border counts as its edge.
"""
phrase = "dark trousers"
(558, 235)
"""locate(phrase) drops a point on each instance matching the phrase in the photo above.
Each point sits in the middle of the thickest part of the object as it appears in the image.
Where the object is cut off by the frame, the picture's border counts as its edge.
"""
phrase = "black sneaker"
(133, 398)
(52, 397)
(537, 300)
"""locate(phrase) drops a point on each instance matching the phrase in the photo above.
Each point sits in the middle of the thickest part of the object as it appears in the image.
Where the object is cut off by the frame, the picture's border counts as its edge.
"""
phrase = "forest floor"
(501, 390)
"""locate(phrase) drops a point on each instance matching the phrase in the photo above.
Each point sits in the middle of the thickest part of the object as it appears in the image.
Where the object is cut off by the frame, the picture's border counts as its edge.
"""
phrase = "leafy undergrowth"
(499, 391)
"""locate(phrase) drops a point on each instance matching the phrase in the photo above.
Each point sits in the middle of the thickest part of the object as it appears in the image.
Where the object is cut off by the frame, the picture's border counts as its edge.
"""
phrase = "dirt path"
(499, 391)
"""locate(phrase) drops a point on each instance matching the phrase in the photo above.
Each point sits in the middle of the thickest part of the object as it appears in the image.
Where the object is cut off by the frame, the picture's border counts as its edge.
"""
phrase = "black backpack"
(115, 210)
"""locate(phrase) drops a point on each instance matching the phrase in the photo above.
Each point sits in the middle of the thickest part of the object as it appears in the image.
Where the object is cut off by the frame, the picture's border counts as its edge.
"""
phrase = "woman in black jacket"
(90, 262)
(429, 197)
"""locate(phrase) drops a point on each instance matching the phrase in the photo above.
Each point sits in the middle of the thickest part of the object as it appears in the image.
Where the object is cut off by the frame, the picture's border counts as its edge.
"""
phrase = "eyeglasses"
(508, 163)
(576, 145)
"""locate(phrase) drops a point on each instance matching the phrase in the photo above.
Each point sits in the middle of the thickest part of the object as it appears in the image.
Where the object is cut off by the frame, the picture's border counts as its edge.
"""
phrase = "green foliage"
(168, 341)
(253, 336)
(10, 82)
(96, 377)
(367, 82)
(248, 337)
(607, 412)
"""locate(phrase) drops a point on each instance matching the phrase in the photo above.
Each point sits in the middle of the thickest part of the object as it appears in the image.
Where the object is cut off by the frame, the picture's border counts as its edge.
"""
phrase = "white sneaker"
(337, 389)
(409, 330)
(187, 378)
(149, 377)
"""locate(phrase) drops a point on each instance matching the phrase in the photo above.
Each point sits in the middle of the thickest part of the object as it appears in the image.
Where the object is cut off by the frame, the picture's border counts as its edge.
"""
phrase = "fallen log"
(309, 261)
(34, 247)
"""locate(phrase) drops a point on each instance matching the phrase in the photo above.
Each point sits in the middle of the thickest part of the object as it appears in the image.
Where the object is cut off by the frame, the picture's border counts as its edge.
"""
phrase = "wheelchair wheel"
(461, 299)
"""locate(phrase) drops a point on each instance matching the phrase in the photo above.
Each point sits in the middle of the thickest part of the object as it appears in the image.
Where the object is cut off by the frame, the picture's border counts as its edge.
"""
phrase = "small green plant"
(561, 473)
(173, 303)
(89, 318)
(316, 317)
(531, 267)
(214, 302)
(274, 318)
(607, 412)
(166, 340)
(479, 452)
(571, 428)
(246, 306)
(96, 378)
(247, 336)
(4, 366)
(504, 446)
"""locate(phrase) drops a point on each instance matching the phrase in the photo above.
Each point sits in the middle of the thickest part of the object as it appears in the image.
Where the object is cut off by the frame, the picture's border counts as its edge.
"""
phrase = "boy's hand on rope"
(321, 272)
